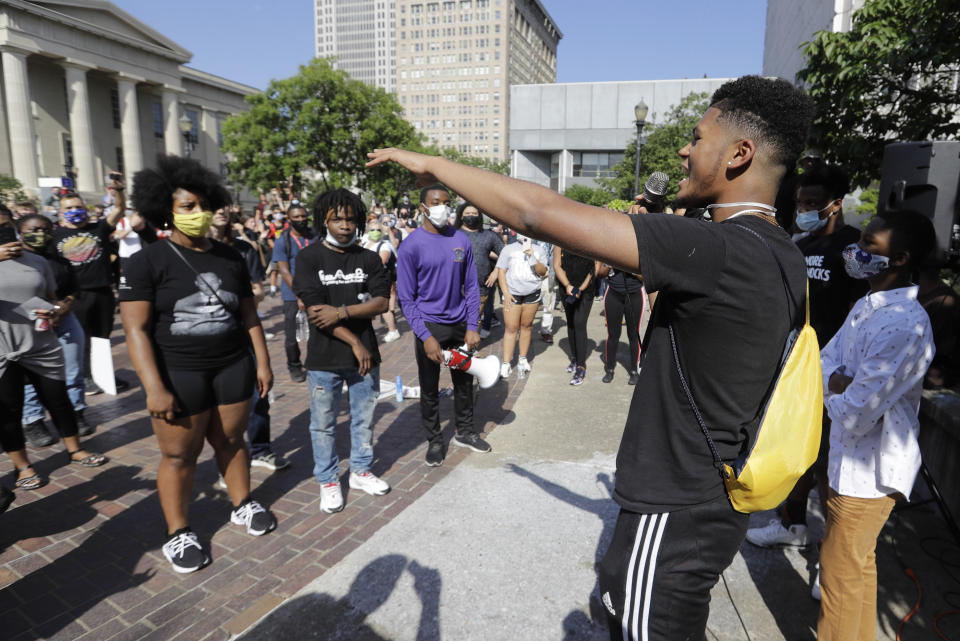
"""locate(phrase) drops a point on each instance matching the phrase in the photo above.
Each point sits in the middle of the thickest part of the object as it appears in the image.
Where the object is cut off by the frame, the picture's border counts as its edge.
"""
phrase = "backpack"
(790, 421)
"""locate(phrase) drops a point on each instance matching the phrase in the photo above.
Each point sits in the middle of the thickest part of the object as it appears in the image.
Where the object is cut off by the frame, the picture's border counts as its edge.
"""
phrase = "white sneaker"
(391, 336)
(369, 483)
(505, 370)
(815, 590)
(775, 535)
(331, 498)
(523, 368)
(484, 333)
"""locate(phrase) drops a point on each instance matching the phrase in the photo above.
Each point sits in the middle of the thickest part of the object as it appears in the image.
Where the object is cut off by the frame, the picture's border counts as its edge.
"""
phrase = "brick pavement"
(80, 558)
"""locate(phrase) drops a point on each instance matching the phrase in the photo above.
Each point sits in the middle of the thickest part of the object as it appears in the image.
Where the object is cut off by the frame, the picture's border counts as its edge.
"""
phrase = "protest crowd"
(184, 268)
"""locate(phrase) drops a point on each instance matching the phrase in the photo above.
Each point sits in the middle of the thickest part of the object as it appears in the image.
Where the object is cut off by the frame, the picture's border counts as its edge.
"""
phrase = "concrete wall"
(591, 116)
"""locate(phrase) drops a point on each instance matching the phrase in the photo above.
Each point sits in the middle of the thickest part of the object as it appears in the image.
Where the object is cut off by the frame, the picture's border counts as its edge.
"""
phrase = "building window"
(194, 125)
(157, 120)
(119, 153)
(115, 107)
(595, 164)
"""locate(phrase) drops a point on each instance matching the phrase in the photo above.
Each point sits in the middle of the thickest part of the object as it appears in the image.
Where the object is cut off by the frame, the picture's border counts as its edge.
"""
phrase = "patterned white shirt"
(886, 345)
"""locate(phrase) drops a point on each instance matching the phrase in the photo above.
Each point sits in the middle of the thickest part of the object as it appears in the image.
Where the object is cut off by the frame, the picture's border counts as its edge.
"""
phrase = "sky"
(254, 41)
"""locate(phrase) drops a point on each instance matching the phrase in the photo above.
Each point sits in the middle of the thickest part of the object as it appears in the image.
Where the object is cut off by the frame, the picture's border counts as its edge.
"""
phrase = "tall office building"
(456, 60)
(791, 23)
(360, 35)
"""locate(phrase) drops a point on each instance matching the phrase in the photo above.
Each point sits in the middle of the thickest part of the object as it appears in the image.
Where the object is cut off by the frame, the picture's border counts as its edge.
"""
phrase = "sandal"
(29, 483)
(91, 460)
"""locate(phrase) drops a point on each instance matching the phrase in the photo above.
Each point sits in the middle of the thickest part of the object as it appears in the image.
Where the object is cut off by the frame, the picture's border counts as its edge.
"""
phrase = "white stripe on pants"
(640, 576)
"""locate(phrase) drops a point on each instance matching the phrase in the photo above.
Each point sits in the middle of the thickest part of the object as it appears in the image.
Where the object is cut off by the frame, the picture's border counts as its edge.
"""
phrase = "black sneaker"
(256, 518)
(607, 376)
(297, 373)
(473, 441)
(121, 385)
(184, 552)
(85, 428)
(435, 454)
(634, 378)
(37, 434)
(91, 388)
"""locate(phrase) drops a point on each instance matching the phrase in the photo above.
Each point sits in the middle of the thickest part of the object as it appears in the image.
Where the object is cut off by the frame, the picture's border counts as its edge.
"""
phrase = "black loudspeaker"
(924, 176)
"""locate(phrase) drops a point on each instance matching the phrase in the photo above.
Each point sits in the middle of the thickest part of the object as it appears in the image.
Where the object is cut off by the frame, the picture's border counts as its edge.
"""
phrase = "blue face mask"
(76, 216)
(810, 220)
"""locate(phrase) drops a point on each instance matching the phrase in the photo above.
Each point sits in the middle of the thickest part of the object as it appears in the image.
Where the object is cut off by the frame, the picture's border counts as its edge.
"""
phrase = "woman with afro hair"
(191, 321)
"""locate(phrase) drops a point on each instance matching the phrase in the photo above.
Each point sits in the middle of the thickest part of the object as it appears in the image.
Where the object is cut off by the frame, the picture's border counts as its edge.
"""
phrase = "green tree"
(11, 190)
(318, 121)
(659, 153)
(596, 196)
(496, 166)
(891, 77)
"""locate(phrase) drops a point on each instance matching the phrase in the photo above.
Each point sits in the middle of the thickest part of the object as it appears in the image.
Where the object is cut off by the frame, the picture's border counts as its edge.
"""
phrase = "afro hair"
(772, 112)
(339, 199)
(832, 178)
(153, 189)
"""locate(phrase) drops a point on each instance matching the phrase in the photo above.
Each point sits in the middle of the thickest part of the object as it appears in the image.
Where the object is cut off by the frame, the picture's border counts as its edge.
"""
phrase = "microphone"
(655, 189)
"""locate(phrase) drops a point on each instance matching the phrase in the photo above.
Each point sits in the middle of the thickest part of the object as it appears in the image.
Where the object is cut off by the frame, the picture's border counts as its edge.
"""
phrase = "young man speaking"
(722, 292)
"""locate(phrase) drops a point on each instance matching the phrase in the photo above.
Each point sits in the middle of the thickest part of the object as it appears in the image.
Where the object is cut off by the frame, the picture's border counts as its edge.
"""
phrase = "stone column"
(23, 151)
(81, 129)
(130, 128)
(172, 136)
(209, 150)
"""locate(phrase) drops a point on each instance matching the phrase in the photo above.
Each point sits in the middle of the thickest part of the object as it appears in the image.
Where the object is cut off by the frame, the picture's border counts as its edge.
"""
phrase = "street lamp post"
(640, 112)
(186, 127)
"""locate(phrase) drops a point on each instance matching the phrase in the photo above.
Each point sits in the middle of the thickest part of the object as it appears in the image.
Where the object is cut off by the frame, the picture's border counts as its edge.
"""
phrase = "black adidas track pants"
(656, 576)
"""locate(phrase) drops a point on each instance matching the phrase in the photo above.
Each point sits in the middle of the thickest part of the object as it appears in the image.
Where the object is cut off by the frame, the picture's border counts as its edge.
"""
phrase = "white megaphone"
(486, 370)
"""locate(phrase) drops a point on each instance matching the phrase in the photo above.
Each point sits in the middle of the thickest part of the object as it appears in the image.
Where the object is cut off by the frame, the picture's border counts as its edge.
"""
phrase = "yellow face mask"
(195, 225)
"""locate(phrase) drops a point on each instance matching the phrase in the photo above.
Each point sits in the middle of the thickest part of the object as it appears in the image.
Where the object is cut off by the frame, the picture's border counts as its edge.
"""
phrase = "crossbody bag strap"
(717, 461)
(783, 273)
(186, 262)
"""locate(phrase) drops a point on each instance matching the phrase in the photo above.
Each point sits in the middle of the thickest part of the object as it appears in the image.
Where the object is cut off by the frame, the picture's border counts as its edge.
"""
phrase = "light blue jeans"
(71, 339)
(325, 391)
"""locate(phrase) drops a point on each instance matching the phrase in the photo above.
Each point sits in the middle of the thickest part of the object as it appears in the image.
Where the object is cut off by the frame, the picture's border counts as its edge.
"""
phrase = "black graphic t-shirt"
(328, 277)
(86, 250)
(722, 291)
(192, 329)
(832, 292)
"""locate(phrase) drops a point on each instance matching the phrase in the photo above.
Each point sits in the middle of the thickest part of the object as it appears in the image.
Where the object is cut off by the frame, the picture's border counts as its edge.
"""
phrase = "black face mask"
(302, 227)
(7, 235)
(473, 222)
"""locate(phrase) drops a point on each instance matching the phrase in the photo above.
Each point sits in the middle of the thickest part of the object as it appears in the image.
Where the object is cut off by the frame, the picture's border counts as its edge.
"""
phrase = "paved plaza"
(495, 546)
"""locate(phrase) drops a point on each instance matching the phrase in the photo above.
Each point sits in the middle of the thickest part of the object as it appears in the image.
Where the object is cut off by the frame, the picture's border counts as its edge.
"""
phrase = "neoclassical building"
(88, 89)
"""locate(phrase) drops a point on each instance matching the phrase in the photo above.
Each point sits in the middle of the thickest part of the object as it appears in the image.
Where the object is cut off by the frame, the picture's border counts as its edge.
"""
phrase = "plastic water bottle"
(303, 330)
(399, 395)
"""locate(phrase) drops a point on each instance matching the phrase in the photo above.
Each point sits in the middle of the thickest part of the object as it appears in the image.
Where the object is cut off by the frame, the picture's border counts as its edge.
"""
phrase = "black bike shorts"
(197, 391)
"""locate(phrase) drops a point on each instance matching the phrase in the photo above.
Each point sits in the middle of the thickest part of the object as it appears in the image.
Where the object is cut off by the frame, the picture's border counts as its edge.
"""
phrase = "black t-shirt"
(483, 241)
(328, 277)
(192, 329)
(62, 274)
(832, 291)
(721, 289)
(87, 251)
(576, 267)
(622, 282)
(251, 257)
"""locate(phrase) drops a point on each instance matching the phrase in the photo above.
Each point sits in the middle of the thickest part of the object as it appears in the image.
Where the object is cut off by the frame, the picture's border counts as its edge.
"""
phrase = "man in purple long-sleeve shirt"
(438, 291)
